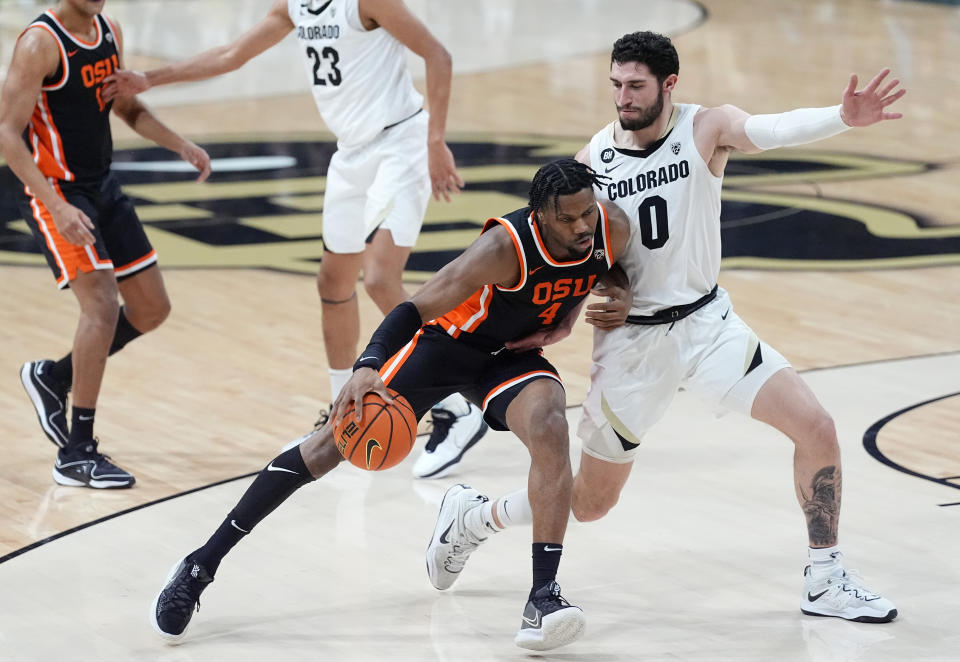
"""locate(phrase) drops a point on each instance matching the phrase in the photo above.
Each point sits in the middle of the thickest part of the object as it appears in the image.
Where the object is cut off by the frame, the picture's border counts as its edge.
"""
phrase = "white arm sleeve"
(797, 127)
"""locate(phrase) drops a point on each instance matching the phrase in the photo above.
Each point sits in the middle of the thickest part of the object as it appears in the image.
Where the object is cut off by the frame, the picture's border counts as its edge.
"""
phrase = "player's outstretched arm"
(142, 120)
(396, 18)
(754, 133)
(35, 57)
(214, 62)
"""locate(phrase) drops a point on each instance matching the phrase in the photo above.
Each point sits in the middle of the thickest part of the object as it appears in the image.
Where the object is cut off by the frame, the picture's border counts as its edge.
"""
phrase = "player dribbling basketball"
(525, 277)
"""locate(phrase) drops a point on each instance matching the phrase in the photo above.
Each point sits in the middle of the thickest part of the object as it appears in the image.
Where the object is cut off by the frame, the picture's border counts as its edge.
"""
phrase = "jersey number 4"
(328, 53)
(652, 214)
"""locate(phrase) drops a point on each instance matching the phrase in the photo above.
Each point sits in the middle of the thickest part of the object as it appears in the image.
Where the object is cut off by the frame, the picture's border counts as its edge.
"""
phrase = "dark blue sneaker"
(84, 466)
(549, 621)
(49, 399)
(174, 605)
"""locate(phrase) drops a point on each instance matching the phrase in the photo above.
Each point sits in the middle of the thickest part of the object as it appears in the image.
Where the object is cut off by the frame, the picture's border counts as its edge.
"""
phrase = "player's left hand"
(866, 107)
(198, 158)
(124, 83)
(443, 171)
(613, 312)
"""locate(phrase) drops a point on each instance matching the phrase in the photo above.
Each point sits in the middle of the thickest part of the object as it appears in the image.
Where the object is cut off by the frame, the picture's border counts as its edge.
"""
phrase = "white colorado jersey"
(673, 200)
(360, 79)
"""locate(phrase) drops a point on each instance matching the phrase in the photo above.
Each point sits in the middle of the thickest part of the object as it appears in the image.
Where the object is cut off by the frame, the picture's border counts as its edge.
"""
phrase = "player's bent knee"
(591, 509)
(320, 453)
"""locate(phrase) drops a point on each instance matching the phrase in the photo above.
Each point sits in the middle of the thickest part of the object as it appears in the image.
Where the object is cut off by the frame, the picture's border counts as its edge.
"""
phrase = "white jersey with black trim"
(673, 202)
(360, 79)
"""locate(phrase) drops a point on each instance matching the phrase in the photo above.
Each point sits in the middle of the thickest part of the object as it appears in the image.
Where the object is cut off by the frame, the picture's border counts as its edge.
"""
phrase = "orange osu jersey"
(69, 132)
(547, 291)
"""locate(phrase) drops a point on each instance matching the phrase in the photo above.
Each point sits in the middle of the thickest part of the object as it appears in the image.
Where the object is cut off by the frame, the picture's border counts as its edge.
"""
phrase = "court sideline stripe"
(870, 445)
(81, 527)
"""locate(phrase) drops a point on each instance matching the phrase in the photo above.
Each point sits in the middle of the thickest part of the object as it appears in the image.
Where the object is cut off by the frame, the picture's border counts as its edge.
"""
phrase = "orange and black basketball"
(383, 438)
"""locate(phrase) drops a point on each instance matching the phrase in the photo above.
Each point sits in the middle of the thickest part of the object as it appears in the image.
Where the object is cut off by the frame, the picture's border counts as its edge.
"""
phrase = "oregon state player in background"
(55, 136)
(527, 275)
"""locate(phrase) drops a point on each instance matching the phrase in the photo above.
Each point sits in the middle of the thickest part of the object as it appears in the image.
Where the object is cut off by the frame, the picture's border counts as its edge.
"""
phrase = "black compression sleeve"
(394, 332)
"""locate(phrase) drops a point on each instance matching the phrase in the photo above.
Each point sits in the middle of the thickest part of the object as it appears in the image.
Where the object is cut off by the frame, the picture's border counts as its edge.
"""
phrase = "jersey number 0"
(328, 53)
(652, 214)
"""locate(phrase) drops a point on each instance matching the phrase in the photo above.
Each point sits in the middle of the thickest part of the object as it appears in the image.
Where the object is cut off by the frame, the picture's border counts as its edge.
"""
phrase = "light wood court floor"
(844, 256)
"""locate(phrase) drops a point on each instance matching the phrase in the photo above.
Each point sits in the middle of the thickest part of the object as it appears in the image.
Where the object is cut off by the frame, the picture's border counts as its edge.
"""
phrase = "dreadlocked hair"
(561, 177)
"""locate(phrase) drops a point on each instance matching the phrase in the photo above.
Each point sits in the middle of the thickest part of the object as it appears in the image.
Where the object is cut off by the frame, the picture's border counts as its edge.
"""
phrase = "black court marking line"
(81, 527)
(870, 445)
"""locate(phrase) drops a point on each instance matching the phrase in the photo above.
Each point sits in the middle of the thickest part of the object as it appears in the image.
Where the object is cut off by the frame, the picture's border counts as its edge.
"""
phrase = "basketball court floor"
(843, 255)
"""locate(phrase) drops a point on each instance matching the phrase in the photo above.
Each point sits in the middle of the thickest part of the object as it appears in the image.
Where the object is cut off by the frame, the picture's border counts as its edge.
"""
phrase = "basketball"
(383, 438)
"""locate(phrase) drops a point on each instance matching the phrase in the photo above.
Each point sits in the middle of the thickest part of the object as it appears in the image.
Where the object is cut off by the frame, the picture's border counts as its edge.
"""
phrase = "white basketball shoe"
(452, 436)
(451, 543)
(844, 596)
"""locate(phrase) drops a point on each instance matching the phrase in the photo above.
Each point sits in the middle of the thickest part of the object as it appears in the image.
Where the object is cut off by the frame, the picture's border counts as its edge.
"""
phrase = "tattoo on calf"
(822, 506)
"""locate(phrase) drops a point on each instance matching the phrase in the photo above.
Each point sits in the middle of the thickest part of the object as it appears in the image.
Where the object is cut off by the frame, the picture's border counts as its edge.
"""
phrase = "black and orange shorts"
(120, 244)
(434, 364)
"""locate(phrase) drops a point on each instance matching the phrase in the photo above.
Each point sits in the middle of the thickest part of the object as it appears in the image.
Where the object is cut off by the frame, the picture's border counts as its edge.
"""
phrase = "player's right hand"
(363, 381)
(73, 225)
(124, 83)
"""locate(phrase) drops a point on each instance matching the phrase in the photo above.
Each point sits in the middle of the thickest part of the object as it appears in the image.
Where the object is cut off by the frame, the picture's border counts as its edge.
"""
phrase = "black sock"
(281, 478)
(546, 560)
(81, 427)
(62, 370)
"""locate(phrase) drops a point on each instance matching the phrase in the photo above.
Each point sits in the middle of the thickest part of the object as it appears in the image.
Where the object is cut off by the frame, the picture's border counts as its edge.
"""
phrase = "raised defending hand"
(73, 225)
(363, 381)
(865, 107)
(443, 171)
(198, 158)
(613, 312)
(124, 83)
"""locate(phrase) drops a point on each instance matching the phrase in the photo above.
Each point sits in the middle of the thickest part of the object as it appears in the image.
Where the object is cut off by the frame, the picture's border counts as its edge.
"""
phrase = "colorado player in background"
(525, 277)
(667, 162)
(55, 136)
(390, 153)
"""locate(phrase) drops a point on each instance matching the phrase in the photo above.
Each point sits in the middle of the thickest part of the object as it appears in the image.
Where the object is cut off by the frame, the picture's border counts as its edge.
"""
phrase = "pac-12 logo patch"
(599, 254)
(607, 155)
(675, 148)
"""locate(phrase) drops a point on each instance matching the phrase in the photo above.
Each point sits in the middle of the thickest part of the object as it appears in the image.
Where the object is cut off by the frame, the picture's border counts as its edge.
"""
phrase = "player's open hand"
(73, 225)
(443, 171)
(867, 106)
(198, 158)
(124, 83)
(363, 381)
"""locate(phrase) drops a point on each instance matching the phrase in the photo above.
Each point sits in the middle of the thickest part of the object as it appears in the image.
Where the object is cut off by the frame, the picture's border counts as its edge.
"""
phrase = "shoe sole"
(26, 378)
(861, 618)
(172, 639)
(568, 630)
(95, 483)
(437, 532)
(445, 469)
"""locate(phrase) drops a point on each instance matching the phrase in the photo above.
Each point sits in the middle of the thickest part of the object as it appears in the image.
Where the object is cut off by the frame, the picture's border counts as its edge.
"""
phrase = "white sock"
(512, 510)
(337, 380)
(455, 404)
(825, 561)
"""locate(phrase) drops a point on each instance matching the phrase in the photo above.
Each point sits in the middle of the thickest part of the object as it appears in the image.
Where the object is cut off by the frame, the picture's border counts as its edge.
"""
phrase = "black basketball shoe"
(175, 604)
(85, 466)
(49, 398)
(549, 621)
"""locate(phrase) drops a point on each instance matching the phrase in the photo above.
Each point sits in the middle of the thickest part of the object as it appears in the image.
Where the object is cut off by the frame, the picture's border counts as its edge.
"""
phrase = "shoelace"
(459, 555)
(441, 428)
(851, 587)
(186, 593)
(550, 603)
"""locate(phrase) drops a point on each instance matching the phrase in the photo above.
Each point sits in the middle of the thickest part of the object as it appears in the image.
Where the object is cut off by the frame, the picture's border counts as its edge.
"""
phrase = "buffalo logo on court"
(675, 148)
(599, 254)
(607, 155)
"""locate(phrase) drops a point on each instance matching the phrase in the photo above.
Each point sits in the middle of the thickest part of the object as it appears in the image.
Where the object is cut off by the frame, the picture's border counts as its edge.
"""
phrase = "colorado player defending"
(667, 161)
(526, 276)
(55, 136)
(390, 152)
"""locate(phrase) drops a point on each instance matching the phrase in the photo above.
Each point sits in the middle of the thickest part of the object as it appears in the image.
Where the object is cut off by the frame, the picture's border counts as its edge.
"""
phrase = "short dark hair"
(561, 177)
(649, 48)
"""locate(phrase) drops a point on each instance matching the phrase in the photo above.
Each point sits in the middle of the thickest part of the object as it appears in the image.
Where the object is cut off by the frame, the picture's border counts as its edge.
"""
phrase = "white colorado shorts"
(637, 370)
(382, 184)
